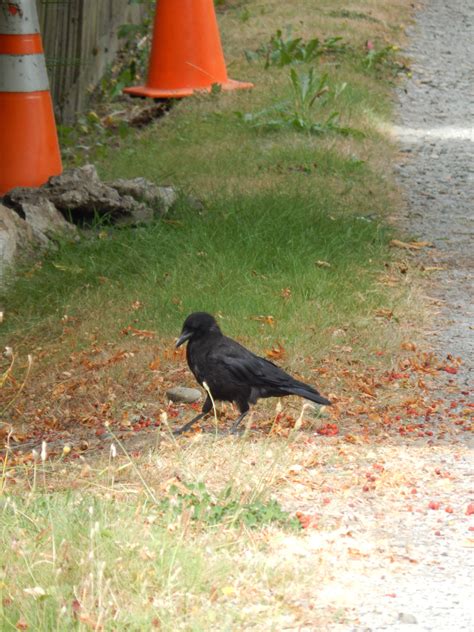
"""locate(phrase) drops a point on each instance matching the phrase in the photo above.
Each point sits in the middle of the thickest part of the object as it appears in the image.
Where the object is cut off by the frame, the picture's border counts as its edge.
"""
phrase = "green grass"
(95, 558)
(107, 553)
(236, 258)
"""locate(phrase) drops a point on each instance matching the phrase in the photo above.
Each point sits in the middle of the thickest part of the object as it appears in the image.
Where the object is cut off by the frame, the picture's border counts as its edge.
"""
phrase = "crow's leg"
(205, 409)
(244, 409)
(236, 424)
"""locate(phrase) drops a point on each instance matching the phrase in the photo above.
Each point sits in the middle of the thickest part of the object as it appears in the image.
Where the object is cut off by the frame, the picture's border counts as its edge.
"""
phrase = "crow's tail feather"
(310, 393)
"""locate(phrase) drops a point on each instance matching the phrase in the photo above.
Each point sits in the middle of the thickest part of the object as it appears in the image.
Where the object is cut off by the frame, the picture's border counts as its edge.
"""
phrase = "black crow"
(233, 373)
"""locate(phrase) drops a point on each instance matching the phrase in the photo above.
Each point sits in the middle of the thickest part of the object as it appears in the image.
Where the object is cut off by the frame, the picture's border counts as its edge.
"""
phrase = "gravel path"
(436, 135)
(436, 132)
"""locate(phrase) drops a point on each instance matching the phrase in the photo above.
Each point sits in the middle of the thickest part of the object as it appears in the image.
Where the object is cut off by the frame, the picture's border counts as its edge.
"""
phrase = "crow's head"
(197, 325)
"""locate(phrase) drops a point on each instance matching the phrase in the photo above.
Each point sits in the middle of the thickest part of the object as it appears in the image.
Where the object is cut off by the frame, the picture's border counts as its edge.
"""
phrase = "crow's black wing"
(242, 366)
(246, 367)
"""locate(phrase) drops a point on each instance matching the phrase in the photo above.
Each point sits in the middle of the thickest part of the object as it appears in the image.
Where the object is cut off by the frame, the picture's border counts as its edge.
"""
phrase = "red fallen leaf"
(449, 369)
(329, 430)
(172, 411)
(449, 509)
(397, 376)
(22, 624)
(470, 509)
(437, 532)
(307, 520)
(434, 504)
(391, 595)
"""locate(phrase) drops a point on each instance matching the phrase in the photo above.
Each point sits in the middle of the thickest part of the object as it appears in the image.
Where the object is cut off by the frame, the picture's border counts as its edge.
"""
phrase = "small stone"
(183, 394)
(405, 617)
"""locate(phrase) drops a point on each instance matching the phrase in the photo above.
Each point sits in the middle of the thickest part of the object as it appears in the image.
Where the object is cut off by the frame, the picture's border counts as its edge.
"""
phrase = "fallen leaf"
(155, 364)
(139, 333)
(307, 521)
(412, 245)
(432, 268)
(384, 312)
(266, 320)
(322, 264)
(328, 430)
(276, 353)
(449, 369)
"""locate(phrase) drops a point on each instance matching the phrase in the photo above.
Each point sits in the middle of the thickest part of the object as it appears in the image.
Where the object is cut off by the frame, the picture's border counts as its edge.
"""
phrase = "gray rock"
(75, 177)
(161, 199)
(184, 394)
(405, 617)
(81, 193)
(16, 237)
(46, 222)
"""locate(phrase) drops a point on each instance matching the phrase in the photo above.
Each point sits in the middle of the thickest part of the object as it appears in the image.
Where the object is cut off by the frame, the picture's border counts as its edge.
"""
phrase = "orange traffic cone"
(186, 53)
(29, 150)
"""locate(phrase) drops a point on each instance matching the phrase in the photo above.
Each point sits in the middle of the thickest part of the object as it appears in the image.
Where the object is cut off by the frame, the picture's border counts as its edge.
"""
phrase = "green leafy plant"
(298, 113)
(374, 58)
(282, 51)
(212, 510)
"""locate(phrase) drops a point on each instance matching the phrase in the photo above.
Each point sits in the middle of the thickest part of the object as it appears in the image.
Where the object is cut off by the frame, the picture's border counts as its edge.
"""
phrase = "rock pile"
(32, 218)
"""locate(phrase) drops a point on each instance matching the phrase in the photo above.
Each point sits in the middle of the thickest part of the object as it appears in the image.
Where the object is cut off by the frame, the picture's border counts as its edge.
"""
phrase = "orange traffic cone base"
(29, 146)
(158, 93)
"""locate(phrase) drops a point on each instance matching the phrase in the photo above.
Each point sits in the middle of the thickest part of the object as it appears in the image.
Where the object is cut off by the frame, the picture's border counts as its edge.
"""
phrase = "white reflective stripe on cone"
(23, 73)
(18, 17)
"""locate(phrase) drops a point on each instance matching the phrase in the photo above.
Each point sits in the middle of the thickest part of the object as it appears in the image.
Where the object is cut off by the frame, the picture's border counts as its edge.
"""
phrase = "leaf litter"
(372, 480)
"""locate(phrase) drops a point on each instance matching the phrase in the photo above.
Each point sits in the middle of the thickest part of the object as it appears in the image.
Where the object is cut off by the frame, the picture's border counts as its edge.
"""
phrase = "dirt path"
(436, 133)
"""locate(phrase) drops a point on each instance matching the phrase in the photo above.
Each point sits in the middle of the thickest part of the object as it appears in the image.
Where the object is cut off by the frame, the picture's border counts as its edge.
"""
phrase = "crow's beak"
(186, 335)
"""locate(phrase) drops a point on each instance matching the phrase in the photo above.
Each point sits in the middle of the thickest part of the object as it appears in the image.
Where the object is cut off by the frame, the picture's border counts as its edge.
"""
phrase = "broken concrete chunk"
(184, 394)
(16, 237)
(46, 222)
(161, 199)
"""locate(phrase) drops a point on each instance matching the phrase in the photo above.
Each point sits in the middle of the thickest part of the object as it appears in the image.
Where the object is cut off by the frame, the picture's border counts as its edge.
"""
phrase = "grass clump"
(297, 113)
(212, 510)
(284, 50)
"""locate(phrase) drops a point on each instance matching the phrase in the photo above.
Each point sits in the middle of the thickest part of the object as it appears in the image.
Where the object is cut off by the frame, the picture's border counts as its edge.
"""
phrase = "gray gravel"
(436, 134)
